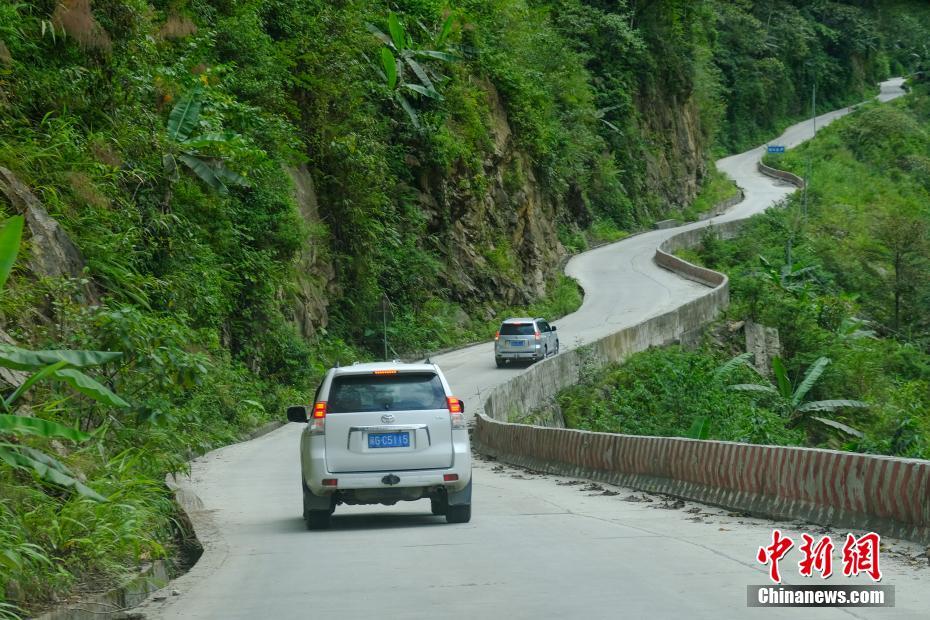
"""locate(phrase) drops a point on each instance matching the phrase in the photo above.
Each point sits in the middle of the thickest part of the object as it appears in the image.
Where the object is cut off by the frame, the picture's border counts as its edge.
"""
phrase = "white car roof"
(370, 367)
(519, 320)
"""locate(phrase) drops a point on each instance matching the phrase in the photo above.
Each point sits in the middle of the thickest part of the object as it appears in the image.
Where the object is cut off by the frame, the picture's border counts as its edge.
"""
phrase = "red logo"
(817, 557)
(774, 553)
(861, 556)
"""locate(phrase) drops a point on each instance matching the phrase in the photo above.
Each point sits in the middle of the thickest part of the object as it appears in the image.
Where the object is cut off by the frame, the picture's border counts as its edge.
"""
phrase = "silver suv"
(382, 433)
(525, 340)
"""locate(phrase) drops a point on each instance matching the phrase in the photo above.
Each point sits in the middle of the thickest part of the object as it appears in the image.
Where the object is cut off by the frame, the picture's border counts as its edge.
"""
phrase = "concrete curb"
(781, 175)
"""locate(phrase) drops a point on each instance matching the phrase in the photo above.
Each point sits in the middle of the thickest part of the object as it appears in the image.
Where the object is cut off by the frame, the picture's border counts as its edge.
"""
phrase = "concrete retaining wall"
(781, 174)
(883, 494)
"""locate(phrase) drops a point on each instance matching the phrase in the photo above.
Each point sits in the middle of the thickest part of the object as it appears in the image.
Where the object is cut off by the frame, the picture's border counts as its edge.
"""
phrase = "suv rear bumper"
(315, 470)
(522, 355)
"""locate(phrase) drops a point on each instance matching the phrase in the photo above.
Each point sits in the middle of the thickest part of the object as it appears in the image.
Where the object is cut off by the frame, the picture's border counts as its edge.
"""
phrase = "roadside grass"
(716, 189)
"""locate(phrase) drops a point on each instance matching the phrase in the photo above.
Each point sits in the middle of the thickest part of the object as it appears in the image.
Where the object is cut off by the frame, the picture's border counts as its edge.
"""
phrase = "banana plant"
(55, 365)
(791, 398)
(190, 148)
(399, 59)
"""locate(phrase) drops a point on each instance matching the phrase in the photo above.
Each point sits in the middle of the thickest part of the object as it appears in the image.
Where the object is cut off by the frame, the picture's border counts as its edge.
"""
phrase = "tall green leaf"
(28, 383)
(89, 387)
(10, 236)
(426, 92)
(832, 405)
(700, 429)
(753, 387)
(184, 116)
(813, 374)
(205, 171)
(740, 360)
(21, 425)
(47, 468)
(839, 426)
(781, 378)
(390, 67)
(208, 139)
(379, 35)
(227, 176)
(405, 104)
(445, 31)
(23, 359)
(420, 72)
(397, 32)
(437, 55)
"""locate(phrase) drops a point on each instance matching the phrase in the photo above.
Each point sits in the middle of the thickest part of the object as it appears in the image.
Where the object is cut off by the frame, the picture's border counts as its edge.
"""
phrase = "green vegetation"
(847, 285)
(717, 189)
(449, 153)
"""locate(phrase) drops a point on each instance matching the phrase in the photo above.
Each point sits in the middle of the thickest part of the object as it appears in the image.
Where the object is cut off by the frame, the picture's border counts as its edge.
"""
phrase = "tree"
(790, 399)
(191, 149)
(901, 236)
(398, 56)
(58, 365)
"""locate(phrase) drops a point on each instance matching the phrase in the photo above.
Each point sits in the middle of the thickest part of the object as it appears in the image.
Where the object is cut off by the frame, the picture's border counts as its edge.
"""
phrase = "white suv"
(382, 433)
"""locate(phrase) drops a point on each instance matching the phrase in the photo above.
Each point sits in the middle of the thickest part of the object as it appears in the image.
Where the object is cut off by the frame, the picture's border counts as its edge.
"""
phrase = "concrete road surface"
(538, 546)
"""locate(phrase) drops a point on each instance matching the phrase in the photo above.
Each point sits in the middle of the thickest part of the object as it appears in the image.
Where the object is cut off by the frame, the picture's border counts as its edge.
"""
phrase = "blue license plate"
(388, 440)
(517, 343)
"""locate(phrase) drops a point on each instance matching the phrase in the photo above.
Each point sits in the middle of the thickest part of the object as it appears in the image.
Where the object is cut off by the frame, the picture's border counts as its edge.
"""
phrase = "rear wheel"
(317, 519)
(437, 506)
(458, 514)
(499, 362)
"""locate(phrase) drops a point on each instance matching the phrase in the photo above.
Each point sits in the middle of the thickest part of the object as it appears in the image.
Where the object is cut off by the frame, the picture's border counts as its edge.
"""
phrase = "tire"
(318, 519)
(458, 514)
(437, 507)
(557, 344)
(500, 363)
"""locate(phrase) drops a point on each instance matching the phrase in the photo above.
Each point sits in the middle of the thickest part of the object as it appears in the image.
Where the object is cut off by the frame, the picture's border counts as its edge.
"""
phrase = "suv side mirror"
(553, 328)
(462, 405)
(297, 413)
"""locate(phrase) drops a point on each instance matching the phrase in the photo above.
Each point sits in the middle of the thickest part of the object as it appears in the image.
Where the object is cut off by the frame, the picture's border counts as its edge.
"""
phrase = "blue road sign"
(776, 149)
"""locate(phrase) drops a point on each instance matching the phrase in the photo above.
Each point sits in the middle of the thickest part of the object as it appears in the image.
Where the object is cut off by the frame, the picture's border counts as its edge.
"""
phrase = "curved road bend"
(538, 546)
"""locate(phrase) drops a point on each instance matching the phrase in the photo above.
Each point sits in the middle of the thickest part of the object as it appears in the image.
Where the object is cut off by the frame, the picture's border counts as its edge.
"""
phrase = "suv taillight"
(538, 336)
(497, 336)
(318, 419)
(455, 412)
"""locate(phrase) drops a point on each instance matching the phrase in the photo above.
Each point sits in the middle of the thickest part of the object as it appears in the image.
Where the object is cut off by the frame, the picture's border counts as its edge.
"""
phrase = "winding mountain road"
(538, 546)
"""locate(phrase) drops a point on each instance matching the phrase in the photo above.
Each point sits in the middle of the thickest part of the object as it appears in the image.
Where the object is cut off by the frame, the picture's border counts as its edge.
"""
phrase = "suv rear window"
(400, 392)
(518, 329)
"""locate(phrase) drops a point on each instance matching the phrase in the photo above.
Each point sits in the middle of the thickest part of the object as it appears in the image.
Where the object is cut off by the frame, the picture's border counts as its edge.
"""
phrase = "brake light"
(330, 482)
(538, 335)
(450, 477)
(318, 418)
(497, 336)
(455, 412)
(385, 372)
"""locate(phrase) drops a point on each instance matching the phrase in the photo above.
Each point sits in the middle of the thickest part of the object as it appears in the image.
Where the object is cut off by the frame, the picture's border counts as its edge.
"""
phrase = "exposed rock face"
(677, 161)
(8, 376)
(52, 253)
(764, 344)
(315, 275)
(513, 217)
